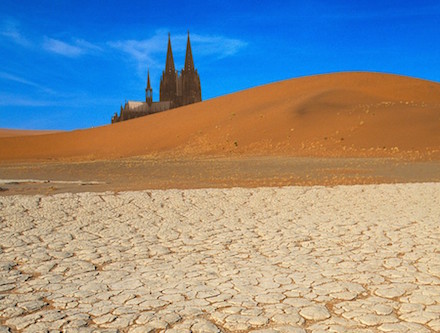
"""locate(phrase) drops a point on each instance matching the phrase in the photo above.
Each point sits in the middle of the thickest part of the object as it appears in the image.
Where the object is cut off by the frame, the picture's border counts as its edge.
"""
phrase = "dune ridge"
(7, 132)
(341, 114)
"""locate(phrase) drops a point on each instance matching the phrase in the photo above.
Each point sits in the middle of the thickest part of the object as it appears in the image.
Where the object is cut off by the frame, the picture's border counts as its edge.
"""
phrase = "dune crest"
(342, 114)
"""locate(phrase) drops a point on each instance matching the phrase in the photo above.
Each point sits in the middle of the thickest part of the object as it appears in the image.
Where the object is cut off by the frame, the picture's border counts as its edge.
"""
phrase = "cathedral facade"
(177, 88)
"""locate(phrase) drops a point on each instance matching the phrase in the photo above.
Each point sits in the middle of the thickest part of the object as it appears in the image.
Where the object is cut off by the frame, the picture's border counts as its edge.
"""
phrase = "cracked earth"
(296, 259)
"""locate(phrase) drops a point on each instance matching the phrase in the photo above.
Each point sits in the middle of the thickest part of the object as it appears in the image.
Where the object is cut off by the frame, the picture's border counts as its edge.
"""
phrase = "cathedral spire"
(189, 62)
(169, 65)
(149, 91)
(148, 81)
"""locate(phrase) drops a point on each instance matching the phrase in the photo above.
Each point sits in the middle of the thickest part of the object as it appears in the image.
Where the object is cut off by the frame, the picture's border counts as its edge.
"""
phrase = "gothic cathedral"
(176, 89)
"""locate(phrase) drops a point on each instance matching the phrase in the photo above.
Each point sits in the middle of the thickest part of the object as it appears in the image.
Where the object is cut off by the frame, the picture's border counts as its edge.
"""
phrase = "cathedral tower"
(149, 91)
(169, 77)
(176, 89)
(191, 90)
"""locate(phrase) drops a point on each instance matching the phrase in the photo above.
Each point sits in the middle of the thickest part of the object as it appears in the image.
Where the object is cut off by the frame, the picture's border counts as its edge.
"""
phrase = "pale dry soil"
(360, 258)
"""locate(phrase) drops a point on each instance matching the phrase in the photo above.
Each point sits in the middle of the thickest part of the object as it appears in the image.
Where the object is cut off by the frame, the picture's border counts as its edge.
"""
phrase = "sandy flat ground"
(139, 173)
(360, 258)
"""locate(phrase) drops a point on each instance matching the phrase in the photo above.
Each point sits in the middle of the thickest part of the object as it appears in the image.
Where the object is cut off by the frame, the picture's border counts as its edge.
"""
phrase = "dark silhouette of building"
(176, 89)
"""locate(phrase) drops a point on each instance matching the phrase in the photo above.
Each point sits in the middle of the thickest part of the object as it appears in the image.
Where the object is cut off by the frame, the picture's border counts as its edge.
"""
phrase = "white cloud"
(145, 52)
(18, 100)
(142, 51)
(87, 46)
(62, 48)
(14, 78)
(10, 30)
(76, 100)
(78, 48)
(219, 46)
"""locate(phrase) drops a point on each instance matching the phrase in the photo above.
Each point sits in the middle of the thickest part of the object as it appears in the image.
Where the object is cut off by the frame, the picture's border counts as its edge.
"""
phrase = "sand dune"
(343, 114)
(6, 132)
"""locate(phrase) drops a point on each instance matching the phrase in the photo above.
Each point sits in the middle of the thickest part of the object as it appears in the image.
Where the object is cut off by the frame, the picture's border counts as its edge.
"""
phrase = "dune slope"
(6, 132)
(343, 114)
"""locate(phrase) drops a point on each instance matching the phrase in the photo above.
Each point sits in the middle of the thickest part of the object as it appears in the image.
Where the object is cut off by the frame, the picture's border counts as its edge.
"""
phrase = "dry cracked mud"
(361, 258)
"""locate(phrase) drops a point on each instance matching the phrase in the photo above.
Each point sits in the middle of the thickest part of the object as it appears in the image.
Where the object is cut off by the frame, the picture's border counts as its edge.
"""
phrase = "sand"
(343, 114)
(140, 173)
(304, 131)
(5, 132)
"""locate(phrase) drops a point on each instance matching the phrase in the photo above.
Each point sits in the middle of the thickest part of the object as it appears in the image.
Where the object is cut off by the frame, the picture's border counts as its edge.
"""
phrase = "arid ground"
(331, 129)
(139, 173)
(309, 205)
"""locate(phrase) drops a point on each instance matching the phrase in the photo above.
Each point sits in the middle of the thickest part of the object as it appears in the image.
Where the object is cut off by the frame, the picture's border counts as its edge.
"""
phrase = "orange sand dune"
(6, 132)
(343, 114)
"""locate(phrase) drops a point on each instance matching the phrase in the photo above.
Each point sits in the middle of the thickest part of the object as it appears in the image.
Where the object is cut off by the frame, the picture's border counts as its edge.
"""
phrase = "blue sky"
(68, 64)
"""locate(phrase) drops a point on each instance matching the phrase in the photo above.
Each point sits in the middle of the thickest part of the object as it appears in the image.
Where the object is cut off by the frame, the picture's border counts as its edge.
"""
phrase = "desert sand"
(304, 131)
(140, 173)
(344, 114)
(5, 132)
